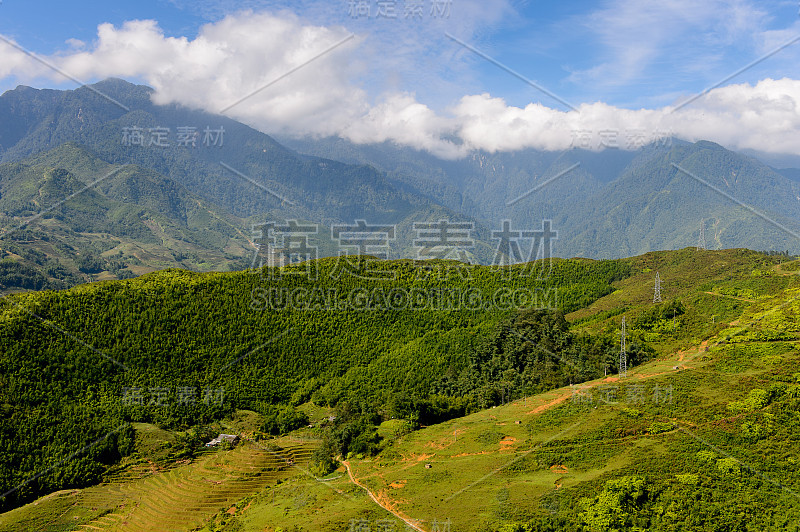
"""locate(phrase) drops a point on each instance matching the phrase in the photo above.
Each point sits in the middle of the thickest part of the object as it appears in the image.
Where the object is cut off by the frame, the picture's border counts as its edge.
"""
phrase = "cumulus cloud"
(763, 117)
(245, 52)
(234, 58)
(403, 120)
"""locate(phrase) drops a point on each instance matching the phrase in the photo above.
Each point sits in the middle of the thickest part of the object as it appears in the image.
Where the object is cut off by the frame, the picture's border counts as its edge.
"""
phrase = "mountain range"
(100, 183)
(610, 203)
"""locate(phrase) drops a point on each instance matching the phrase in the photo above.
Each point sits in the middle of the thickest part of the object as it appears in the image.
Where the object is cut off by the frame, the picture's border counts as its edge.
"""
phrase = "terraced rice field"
(142, 498)
(186, 496)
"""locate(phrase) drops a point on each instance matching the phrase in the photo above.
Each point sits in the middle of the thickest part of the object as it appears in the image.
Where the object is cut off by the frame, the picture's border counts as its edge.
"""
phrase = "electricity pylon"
(657, 290)
(623, 352)
(701, 241)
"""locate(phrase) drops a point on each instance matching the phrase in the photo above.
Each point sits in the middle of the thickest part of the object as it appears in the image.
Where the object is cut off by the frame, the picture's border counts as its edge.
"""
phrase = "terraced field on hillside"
(179, 499)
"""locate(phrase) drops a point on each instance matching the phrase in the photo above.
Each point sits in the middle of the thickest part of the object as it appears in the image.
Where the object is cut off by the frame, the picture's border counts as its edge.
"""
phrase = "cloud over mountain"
(282, 74)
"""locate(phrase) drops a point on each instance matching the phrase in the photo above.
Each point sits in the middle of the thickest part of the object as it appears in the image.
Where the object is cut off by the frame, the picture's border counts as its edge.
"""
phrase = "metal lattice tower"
(657, 290)
(623, 352)
(701, 241)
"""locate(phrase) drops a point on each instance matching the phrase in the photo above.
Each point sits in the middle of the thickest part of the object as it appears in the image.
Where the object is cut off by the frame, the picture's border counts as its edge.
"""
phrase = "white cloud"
(764, 117)
(241, 53)
(401, 119)
(233, 58)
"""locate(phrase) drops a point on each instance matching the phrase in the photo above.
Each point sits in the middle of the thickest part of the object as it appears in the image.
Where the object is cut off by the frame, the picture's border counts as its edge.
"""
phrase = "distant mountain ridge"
(187, 161)
(611, 203)
(791, 173)
(201, 181)
(32, 121)
(133, 220)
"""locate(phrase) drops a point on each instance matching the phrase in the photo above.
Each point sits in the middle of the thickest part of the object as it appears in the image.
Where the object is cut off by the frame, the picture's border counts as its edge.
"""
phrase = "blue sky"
(626, 54)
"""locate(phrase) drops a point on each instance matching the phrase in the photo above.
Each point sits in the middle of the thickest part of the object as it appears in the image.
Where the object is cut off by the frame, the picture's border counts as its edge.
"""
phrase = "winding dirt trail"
(377, 500)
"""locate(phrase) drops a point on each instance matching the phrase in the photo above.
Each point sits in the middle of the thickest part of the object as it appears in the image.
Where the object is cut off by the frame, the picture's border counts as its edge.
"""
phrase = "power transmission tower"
(623, 353)
(657, 290)
(701, 242)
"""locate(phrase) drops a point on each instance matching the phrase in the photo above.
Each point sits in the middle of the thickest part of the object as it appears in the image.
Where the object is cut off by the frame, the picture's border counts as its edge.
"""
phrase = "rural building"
(230, 438)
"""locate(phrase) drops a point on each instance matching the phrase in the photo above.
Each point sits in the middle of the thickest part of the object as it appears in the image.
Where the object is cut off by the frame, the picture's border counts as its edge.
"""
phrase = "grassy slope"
(538, 455)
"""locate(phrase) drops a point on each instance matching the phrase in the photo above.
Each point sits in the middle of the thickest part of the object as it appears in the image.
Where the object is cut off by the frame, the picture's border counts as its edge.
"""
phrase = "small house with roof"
(230, 438)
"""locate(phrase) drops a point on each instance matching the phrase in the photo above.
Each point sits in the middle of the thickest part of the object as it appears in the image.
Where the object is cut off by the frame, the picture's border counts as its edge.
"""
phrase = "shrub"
(756, 399)
(613, 508)
(280, 420)
(322, 464)
(657, 427)
(728, 466)
(706, 456)
(689, 479)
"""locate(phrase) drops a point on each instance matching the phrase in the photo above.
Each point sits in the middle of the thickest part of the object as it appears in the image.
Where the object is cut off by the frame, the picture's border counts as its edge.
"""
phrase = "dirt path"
(781, 271)
(541, 408)
(571, 393)
(377, 501)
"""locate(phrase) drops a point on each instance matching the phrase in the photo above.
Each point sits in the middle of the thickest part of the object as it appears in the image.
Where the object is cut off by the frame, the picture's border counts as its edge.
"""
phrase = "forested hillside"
(180, 349)
(242, 171)
(72, 217)
(92, 190)
(204, 179)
